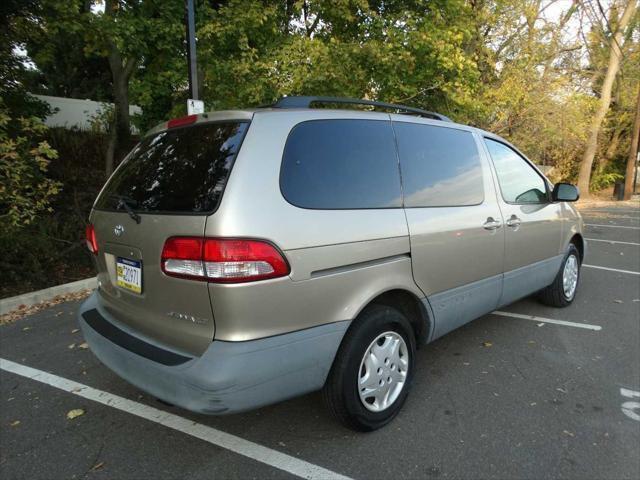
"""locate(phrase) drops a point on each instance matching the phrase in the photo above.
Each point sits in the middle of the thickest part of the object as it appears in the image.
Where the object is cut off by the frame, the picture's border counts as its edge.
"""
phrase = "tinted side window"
(341, 164)
(440, 166)
(519, 182)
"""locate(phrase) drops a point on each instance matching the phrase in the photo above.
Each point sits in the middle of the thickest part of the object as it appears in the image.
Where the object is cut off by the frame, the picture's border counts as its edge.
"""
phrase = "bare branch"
(313, 26)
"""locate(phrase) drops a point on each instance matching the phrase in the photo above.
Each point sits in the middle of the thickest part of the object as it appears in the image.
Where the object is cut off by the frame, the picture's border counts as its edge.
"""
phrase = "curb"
(32, 298)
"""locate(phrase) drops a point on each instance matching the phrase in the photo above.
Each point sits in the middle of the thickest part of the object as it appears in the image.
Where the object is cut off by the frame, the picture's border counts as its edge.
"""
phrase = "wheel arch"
(411, 307)
(578, 241)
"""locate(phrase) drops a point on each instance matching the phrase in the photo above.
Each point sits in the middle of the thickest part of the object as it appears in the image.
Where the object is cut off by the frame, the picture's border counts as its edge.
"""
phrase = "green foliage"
(54, 35)
(253, 52)
(149, 35)
(51, 250)
(600, 181)
(13, 71)
(25, 189)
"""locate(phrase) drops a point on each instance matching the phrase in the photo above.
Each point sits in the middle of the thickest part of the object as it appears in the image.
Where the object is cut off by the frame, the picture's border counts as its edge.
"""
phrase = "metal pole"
(191, 50)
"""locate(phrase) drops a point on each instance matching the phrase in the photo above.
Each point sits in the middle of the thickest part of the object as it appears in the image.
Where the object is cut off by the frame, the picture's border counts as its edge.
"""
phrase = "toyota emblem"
(118, 230)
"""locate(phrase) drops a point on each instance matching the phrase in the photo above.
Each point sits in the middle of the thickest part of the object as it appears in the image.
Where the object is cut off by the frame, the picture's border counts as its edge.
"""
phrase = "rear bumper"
(229, 377)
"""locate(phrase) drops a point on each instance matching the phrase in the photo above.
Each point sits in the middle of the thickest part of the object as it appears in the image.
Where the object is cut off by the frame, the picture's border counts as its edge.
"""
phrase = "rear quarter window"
(341, 164)
(440, 166)
(176, 171)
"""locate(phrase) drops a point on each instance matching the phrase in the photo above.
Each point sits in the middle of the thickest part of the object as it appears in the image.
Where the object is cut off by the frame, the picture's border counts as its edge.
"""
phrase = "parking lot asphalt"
(502, 397)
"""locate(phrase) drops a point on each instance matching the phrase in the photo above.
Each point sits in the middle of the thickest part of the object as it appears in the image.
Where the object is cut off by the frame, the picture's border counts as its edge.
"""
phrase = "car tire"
(562, 291)
(366, 387)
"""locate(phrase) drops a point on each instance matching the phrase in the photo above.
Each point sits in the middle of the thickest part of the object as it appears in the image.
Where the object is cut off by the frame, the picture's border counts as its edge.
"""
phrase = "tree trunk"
(120, 135)
(633, 153)
(615, 56)
(121, 127)
(111, 151)
(612, 148)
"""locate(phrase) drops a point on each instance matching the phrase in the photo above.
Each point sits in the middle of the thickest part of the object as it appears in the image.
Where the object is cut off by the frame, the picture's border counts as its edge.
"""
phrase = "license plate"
(129, 274)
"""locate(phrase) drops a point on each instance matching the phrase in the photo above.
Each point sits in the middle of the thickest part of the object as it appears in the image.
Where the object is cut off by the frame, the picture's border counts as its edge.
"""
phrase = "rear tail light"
(90, 238)
(222, 260)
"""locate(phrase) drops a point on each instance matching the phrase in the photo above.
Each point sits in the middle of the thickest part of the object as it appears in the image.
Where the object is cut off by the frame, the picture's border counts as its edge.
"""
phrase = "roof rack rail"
(305, 102)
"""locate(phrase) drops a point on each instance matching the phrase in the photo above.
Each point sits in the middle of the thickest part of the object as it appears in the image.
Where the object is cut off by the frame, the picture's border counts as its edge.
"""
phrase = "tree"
(530, 89)
(25, 190)
(127, 32)
(95, 49)
(253, 51)
(53, 34)
(633, 153)
(13, 68)
(615, 56)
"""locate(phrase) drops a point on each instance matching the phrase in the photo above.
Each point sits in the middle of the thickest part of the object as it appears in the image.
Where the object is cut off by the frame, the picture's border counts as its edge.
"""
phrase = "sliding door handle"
(491, 224)
(514, 221)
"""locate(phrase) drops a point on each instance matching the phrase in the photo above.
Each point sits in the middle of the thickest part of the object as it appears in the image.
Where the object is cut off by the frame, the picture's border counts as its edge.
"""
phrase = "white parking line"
(631, 409)
(630, 272)
(614, 210)
(548, 320)
(589, 217)
(221, 439)
(610, 241)
(611, 226)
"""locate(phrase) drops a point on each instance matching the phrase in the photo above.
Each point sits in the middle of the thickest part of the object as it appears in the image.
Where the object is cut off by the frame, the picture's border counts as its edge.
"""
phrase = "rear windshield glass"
(176, 171)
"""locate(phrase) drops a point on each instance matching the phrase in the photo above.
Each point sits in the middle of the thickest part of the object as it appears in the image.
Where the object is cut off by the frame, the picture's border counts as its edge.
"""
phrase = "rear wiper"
(126, 203)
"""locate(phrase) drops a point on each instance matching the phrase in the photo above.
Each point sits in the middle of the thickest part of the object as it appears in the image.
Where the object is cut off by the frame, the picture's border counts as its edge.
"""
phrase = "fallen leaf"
(541, 324)
(26, 328)
(24, 310)
(618, 301)
(83, 345)
(15, 423)
(98, 466)
(566, 432)
(487, 344)
(75, 330)
(72, 346)
(76, 412)
(533, 404)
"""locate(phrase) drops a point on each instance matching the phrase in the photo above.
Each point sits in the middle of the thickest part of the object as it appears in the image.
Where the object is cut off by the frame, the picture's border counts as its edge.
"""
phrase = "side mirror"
(565, 192)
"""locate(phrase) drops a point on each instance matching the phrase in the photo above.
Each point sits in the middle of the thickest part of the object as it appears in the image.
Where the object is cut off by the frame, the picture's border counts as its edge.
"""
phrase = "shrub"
(600, 181)
(25, 189)
(50, 250)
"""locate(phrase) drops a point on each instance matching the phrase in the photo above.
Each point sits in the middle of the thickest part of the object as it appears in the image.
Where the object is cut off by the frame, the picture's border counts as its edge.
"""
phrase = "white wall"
(73, 112)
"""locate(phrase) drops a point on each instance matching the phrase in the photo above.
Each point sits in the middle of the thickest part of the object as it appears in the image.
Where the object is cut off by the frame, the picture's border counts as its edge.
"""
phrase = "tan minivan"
(246, 257)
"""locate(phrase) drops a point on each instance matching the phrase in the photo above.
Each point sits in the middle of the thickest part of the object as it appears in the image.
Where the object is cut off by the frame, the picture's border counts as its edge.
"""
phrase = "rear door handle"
(514, 221)
(491, 224)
